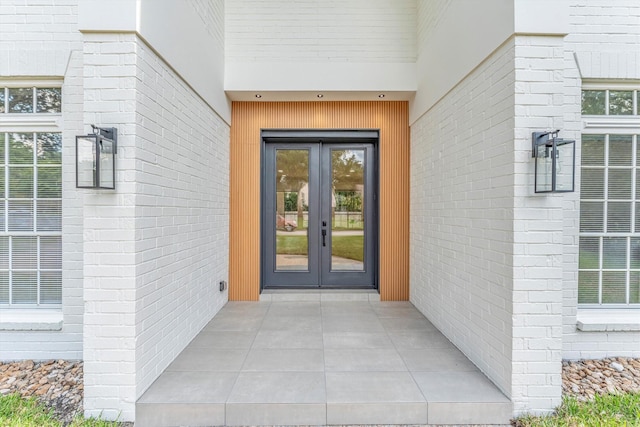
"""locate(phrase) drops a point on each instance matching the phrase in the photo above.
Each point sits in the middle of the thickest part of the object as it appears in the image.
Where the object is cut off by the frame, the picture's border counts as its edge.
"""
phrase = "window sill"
(30, 320)
(608, 320)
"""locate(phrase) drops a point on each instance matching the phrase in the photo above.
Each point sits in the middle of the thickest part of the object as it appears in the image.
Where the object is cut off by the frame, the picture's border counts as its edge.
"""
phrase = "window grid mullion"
(627, 272)
(33, 99)
(6, 207)
(38, 270)
(6, 182)
(634, 183)
(600, 266)
(605, 208)
(599, 234)
(10, 258)
(35, 179)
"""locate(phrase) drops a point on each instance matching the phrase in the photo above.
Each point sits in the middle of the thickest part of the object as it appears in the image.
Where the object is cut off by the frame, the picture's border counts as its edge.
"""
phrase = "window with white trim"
(31, 196)
(609, 260)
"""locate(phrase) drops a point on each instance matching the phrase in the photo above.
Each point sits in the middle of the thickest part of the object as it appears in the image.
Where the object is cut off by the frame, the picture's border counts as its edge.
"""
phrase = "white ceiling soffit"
(334, 80)
(282, 96)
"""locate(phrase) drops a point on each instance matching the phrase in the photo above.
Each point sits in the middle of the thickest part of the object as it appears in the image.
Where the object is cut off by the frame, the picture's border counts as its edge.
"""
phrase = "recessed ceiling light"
(381, 95)
(320, 95)
(258, 95)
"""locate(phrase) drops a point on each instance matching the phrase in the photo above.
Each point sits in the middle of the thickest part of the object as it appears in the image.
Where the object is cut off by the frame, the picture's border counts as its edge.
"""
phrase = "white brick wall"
(320, 30)
(159, 243)
(38, 24)
(212, 14)
(155, 248)
(605, 36)
(39, 39)
(110, 258)
(461, 214)
(537, 231)
(182, 215)
(605, 39)
(486, 253)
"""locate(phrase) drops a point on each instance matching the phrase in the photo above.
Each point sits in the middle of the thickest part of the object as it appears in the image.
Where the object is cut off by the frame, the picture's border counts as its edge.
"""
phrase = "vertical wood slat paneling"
(248, 118)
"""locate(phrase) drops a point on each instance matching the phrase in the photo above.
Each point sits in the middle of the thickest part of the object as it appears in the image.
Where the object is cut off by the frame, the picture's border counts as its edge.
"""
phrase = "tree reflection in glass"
(20, 100)
(347, 209)
(292, 191)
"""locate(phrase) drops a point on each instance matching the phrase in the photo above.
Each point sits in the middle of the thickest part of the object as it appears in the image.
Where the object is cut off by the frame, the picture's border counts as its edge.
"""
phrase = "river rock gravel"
(58, 384)
(586, 378)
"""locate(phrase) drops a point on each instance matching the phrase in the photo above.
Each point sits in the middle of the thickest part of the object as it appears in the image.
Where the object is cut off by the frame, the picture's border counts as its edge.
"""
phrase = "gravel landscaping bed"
(586, 378)
(58, 384)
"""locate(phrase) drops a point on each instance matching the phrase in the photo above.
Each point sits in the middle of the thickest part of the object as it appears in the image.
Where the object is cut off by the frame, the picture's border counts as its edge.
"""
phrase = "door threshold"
(281, 295)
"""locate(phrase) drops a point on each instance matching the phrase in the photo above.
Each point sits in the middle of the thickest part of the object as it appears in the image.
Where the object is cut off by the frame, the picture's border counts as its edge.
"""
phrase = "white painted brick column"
(538, 231)
(109, 233)
(156, 247)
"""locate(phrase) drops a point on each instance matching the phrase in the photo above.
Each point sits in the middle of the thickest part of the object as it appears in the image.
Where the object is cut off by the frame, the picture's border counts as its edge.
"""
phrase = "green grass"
(291, 245)
(609, 410)
(349, 247)
(16, 411)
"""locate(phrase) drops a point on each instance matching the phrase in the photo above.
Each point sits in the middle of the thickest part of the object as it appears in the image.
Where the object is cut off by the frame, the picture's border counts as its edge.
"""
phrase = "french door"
(319, 214)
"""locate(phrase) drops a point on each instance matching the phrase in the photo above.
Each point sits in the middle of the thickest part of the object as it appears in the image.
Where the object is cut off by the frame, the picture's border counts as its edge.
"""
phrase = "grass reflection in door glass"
(349, 247)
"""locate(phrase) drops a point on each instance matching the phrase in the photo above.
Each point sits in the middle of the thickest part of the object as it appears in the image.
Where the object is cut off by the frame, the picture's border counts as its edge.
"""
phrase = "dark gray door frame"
(313, 140)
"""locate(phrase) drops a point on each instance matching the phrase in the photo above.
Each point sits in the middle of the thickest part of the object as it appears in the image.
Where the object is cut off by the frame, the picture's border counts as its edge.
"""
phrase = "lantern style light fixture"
(555, 170)
(96, 159)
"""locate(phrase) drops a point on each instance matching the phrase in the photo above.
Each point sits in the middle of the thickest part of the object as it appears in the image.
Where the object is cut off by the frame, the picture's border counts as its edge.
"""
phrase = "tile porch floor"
(318, 359)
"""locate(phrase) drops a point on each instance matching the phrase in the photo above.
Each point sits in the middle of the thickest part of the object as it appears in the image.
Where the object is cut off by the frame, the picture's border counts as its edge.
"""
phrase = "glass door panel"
(347, 209)
(292, 206)
(318, 215)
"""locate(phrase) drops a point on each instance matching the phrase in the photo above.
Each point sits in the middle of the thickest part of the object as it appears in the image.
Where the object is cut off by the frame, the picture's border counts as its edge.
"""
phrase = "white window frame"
(30, 123)
(613, 124)
(607, 125)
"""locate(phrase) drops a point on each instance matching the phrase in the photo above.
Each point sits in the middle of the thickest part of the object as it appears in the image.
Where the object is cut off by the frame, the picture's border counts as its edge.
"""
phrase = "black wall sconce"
(555, 170)
(96, 159)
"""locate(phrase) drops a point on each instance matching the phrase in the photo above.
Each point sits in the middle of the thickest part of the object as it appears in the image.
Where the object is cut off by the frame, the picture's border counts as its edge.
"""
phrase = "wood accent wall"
(249, 118)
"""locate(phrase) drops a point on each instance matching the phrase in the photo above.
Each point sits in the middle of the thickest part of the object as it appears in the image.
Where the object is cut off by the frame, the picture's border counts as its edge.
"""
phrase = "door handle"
(324, 235)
